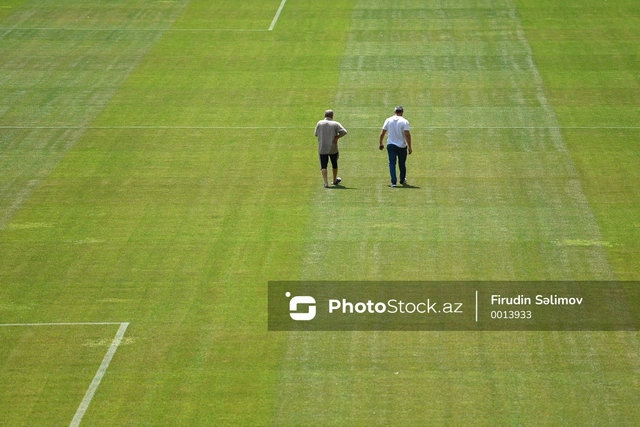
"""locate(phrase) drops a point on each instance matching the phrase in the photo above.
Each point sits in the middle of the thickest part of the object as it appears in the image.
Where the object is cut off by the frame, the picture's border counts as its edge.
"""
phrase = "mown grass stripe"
(55, 82)
(441, 230)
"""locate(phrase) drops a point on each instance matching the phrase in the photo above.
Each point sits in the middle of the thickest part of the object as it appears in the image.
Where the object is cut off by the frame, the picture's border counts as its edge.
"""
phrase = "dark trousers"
(399, 155)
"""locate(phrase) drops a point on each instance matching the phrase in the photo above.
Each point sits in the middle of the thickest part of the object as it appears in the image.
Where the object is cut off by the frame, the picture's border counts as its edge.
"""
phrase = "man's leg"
(391, 150)
(324, 161)
(402, 164)
(334, 165)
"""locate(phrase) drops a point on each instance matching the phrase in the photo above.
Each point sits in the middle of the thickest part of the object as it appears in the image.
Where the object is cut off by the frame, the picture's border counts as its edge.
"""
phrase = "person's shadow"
(340, 187)
(408, 187)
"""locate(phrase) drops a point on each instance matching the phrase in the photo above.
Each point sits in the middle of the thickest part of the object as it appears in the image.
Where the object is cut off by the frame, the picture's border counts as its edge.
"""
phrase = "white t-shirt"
(396, 125)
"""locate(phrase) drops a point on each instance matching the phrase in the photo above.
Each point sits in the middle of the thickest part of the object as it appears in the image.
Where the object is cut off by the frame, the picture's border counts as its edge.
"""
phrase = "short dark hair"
(328, 113)
(399, 109)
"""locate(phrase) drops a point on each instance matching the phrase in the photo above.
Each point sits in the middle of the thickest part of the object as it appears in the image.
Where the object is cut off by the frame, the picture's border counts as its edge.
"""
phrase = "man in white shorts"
(398, 144)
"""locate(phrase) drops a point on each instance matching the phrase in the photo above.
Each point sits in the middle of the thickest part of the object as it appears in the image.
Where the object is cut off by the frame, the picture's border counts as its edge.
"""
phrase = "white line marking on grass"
(275, 18)
(91, 391)
(311, 127)
(137, 29)
(246, 30)
(61, 324)
(156, 127)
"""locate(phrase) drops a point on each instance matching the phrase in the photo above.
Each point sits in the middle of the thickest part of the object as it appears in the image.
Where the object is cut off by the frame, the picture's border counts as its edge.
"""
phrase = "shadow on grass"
(340, 187)
(407, 187)
(344, 187)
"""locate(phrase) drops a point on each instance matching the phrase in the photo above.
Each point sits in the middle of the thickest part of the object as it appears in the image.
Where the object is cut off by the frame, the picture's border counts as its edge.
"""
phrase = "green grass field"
(158, 167)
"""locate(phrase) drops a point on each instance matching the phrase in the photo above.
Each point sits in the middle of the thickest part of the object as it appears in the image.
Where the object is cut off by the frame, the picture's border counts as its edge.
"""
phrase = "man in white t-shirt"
(398, 144)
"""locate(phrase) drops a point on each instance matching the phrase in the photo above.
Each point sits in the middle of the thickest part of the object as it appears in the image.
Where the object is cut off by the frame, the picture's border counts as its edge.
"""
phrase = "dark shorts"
(324, 160)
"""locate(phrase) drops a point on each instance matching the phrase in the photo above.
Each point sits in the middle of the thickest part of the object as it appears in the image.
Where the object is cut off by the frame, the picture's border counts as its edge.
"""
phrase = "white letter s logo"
(293, 308)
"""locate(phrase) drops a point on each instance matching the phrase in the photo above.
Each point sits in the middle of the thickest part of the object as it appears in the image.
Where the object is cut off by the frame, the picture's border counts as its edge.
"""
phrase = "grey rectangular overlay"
(453, 306)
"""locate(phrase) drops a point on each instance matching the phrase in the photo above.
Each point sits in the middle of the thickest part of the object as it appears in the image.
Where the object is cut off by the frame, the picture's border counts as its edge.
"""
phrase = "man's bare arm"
(383, 132)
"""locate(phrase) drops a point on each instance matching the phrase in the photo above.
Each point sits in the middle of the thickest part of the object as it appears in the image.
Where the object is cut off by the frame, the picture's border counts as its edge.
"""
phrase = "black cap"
(399, 109)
